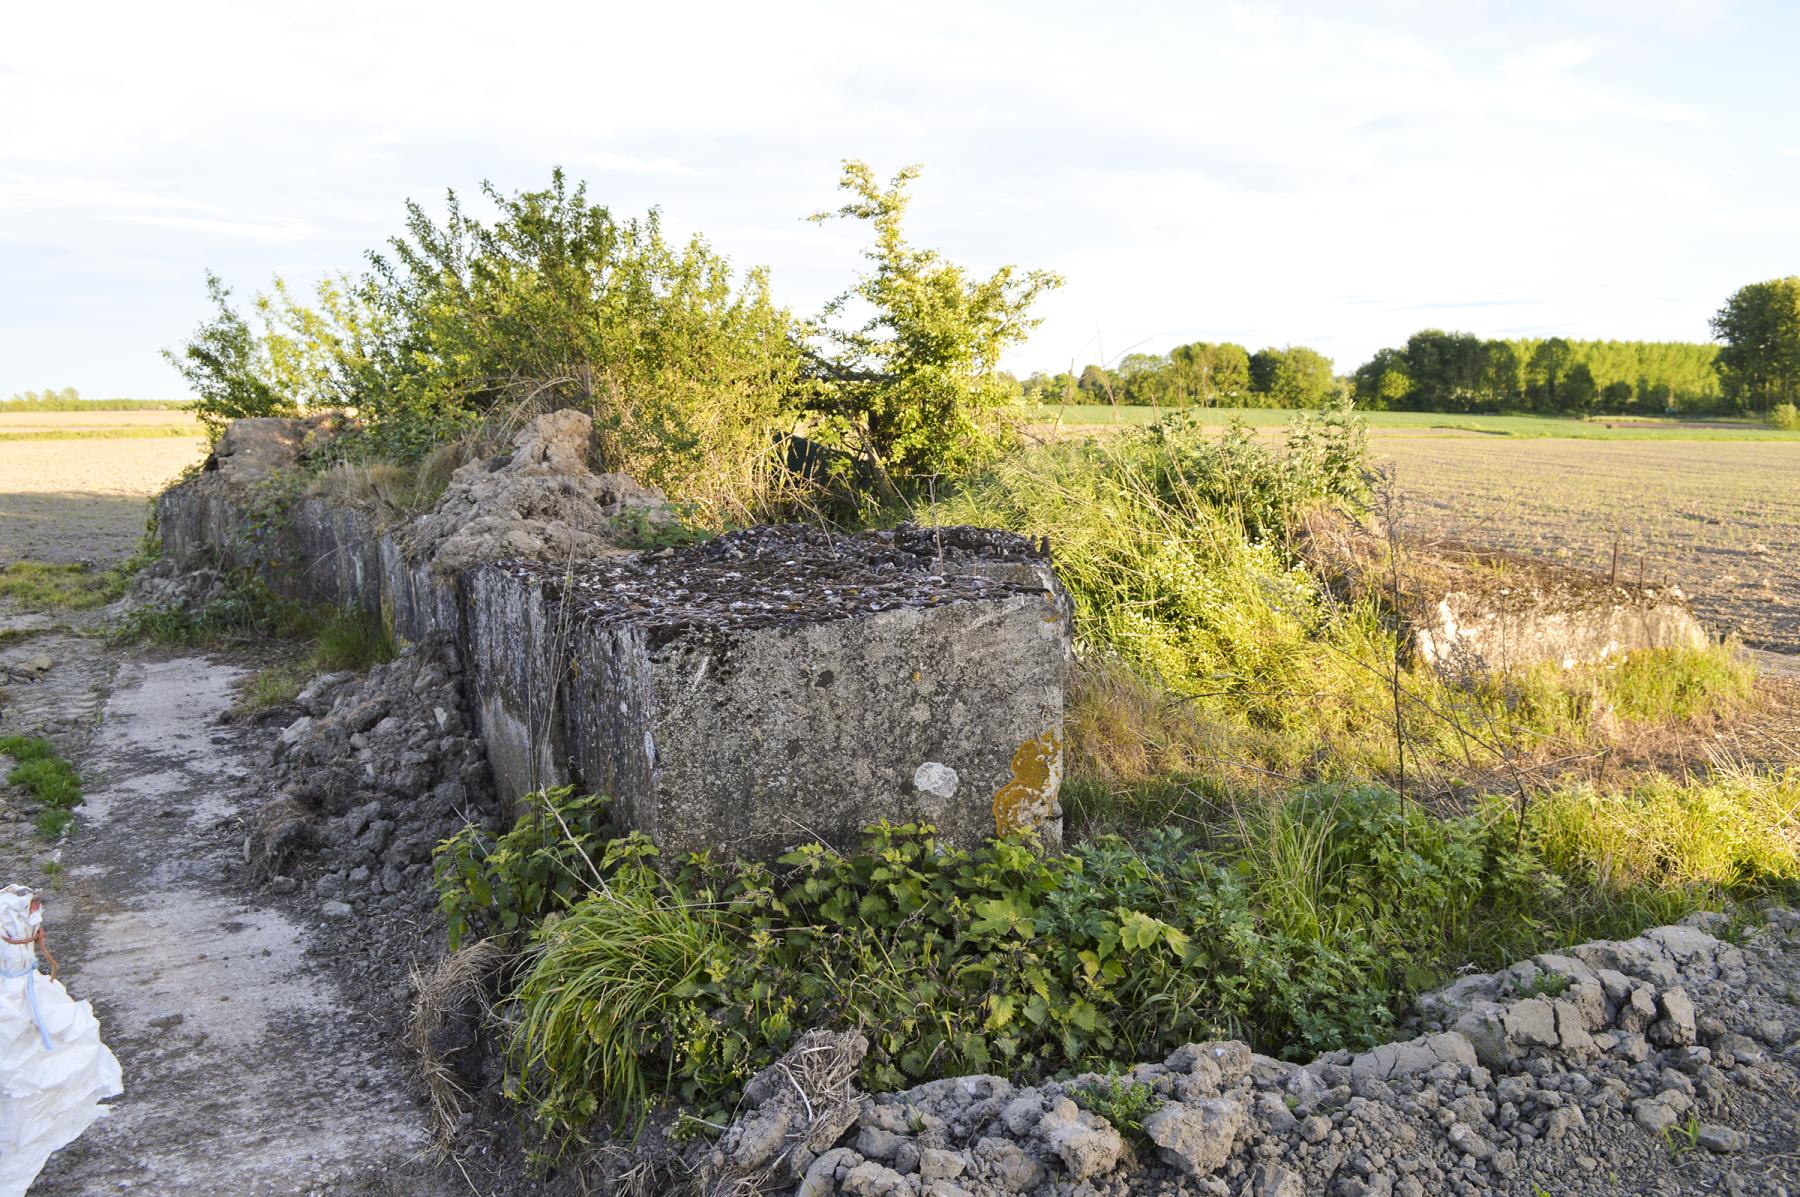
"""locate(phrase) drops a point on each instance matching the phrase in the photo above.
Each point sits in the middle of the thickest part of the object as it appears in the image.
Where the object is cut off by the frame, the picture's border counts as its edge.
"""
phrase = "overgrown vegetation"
(693, 374)
(1301, 924)
(40, 772)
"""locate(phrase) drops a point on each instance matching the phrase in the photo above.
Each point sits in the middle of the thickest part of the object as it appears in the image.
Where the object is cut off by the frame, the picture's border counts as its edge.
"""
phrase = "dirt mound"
(541, 501)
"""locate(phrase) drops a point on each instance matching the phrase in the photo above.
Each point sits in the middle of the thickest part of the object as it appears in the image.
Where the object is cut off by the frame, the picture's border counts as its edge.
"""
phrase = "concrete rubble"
(1470, 613)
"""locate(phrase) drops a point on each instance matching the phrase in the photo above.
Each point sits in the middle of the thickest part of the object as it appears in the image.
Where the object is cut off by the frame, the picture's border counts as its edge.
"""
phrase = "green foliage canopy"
(1760, 326)
(1460, 372)
(915, 388)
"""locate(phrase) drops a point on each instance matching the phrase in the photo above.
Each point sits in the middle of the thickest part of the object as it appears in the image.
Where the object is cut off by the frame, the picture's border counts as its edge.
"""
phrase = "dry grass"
(440, 994)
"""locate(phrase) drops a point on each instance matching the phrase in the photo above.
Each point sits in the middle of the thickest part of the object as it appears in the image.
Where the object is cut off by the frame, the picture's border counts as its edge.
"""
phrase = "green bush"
(1785, 416)
(507, 884)
(555, 302)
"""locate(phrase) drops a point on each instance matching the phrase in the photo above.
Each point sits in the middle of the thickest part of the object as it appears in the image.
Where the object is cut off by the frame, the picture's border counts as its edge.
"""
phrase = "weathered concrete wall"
(1489, 633)
(777, 686)
(767, 688)
(1470, 611)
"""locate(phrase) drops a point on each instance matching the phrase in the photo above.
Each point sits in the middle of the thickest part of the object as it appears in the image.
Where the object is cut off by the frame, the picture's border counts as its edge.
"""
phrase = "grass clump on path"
(43, 774)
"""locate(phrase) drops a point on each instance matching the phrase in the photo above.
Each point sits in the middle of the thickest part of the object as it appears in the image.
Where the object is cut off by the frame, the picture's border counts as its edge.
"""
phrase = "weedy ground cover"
(1300, 924)
(51, 586)
(40, 772)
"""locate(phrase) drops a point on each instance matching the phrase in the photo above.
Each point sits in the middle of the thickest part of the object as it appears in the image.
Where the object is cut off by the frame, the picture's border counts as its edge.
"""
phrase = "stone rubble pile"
(374, 773)
(1574, 1072)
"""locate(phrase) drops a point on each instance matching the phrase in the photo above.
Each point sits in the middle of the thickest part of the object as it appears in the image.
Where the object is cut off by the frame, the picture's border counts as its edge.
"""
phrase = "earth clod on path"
(246, 1070)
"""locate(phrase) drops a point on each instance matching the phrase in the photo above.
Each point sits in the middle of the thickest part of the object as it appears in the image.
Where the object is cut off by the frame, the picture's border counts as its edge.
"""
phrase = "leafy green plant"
(1546, 985)
(507, 884)
(1121, 1101)
(1682, 1138)
(1785, 417)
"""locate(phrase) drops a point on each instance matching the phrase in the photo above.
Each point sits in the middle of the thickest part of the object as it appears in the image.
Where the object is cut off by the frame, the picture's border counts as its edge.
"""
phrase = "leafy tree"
(1759, 364)
(554, 303)
(1577, 391)
(558, 303)
(1549, 362)
(1293, 377)
(913, 388)
(1383, 382)
(226, 367)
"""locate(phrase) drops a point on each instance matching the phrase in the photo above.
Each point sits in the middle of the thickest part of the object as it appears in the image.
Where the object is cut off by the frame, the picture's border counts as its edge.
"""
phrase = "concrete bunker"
(1468, 611)
(766, 688)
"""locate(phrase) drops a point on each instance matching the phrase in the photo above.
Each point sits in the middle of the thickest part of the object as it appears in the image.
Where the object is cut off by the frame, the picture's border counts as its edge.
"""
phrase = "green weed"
(1683, 1138)
(1123, 1102)
(351, 640)
(47, 777)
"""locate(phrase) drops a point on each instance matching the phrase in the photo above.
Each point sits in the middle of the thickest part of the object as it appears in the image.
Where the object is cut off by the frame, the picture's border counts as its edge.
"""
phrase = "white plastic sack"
(54, 1071)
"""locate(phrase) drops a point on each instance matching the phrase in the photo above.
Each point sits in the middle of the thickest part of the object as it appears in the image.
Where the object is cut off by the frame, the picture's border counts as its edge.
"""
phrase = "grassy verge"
(47, 586)
(47, 778)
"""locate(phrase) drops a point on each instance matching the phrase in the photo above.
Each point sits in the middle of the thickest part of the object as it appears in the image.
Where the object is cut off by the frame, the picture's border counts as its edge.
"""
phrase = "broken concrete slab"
(1472, 612)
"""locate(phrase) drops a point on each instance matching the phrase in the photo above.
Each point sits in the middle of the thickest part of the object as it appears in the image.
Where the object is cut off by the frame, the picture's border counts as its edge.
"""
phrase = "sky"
(1336, 175)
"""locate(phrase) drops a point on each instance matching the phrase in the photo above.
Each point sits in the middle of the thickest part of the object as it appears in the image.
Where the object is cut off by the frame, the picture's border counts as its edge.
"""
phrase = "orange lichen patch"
(1029, 798)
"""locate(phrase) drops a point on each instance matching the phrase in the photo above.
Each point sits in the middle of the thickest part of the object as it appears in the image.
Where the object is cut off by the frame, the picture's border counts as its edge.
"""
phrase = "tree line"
(1201, 374)
(1754, 368)
(1458, 372)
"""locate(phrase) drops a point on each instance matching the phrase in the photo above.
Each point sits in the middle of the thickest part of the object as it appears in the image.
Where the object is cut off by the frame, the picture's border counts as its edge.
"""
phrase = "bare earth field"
(35, 421)
(83, 500)
(1720, 519)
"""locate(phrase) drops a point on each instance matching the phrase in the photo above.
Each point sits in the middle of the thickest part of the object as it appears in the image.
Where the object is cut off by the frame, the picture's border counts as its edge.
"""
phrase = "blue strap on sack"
(30, 973)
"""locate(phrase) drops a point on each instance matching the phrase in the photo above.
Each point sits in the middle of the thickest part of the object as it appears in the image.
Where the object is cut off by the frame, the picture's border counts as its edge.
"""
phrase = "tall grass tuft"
(599, 1000)
(1735, 832)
